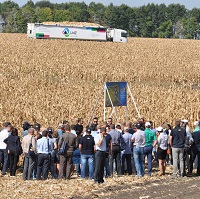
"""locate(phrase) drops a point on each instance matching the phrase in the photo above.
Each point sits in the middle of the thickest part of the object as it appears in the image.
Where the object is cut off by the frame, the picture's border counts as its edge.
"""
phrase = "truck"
(75, 30)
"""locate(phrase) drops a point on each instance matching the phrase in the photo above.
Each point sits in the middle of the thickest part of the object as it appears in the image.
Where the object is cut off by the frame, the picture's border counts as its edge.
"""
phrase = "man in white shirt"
(3, 151)
(139, 141)
(100, 156)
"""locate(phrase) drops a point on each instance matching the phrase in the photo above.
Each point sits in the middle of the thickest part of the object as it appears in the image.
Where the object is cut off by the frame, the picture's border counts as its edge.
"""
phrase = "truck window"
(124, 34)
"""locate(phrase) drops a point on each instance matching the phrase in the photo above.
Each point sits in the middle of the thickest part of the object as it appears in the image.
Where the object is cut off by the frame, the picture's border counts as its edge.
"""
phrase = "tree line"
(152, 20)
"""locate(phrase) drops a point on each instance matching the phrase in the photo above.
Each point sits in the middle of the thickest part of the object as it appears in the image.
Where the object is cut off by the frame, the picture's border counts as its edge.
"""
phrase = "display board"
(116, 94)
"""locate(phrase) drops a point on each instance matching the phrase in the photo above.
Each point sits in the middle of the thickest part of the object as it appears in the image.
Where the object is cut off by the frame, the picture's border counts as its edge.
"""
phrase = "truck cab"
(117, 35)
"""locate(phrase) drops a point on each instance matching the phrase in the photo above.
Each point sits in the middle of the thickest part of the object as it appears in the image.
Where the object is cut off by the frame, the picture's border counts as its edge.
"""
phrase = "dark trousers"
(65, 165)
(116, 155)
(127, 158)
(42, 166)
(4, 160)
(195, 152)
(29, 163)
(13, 159)
(100, 158)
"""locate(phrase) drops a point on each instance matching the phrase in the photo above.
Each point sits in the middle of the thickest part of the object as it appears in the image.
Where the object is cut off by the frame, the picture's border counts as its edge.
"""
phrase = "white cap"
(147, 124)
(196, 123)
(185, 121)
(159, 129)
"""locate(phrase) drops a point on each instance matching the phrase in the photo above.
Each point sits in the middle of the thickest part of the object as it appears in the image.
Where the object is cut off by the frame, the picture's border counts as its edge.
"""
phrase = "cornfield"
(46, 81)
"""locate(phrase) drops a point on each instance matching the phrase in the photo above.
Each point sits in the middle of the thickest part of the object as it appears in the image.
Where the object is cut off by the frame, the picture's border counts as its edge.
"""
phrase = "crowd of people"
(101, 151)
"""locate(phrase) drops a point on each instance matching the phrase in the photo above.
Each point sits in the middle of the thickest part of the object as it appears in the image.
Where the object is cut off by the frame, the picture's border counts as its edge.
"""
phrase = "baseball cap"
(88, 129)
(159, 129)
(185, 121)
(147, 124)
(36, 126)
(138, 125)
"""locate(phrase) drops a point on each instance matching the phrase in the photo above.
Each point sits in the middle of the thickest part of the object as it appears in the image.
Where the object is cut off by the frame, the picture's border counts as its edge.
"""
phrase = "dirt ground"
(115, 188)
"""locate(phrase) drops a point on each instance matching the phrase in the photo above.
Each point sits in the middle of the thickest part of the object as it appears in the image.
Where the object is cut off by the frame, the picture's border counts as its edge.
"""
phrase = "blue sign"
(117, 94)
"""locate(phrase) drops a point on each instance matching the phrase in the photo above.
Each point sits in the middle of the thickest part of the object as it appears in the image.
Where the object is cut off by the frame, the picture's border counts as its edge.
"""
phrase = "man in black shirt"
(86, 147)
(177, 141)
(79, 127)
(108, 150)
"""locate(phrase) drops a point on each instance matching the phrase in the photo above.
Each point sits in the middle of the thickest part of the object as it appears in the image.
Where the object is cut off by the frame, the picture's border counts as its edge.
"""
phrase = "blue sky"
(132, 3)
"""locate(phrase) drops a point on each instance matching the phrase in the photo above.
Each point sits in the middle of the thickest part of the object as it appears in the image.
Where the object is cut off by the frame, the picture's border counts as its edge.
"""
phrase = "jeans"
(42, 166)
(148, 153)
(116, 155)
(178, 159)
(100, 158)
(90, 160)
(126, 157)
(29, 163)
(52, 160)
(139, 160)
(4, 159)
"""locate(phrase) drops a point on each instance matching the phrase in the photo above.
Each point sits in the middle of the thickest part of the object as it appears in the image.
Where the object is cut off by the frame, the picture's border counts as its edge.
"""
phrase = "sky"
(189, 4)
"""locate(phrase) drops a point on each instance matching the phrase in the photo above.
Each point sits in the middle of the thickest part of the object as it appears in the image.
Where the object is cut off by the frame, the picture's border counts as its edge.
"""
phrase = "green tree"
(9, 11)
(97, 13)
(78, 11)
(191, 28)
(165, 29)
(44, 4)
(61, 15)
(44, 14)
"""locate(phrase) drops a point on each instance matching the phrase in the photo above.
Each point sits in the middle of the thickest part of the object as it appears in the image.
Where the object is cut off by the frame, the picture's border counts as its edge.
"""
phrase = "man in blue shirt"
(126, 154)
(44, 148)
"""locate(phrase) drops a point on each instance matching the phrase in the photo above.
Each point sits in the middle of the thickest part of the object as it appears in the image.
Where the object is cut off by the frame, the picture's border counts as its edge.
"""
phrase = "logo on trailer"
(66, 32)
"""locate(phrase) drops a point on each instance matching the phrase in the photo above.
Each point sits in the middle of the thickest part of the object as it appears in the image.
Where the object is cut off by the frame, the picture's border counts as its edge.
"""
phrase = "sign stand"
(106, 91)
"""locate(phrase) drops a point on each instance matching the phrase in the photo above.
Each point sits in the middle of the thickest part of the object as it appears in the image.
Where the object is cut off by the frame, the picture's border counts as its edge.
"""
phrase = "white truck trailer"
(75, 31)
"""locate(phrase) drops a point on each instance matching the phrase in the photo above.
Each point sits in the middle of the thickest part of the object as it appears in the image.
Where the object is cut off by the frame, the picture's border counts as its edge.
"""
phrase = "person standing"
(25, 127)
(100, 156)
(126, 154)
(162, 149)
(79, 127)
(14, 150)
(95, 121)
(116, 150)
(196, 126)
(44, 149)
(150, 139)
(3, 147)
(66, 158)
(138, 139)
(108, 151)
(195, 151)
(29, 161)
(177, 141)
(86, 147)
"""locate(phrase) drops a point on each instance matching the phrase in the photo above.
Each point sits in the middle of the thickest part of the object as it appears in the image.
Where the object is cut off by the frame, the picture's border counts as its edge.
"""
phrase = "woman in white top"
(162, 149)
